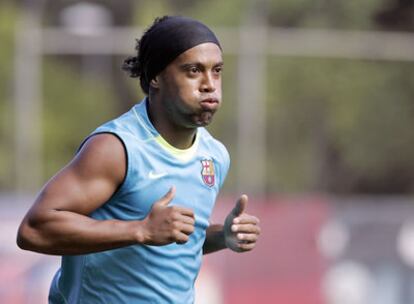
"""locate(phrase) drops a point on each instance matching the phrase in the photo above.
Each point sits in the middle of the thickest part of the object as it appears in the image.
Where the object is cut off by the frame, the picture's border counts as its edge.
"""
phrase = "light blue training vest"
(142, 273)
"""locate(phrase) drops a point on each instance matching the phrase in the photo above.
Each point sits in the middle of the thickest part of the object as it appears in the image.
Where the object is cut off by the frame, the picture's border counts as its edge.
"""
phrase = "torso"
(152, 274)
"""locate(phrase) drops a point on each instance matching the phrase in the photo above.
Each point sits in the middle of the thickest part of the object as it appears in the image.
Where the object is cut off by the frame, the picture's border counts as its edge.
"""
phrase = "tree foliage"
(8, 13)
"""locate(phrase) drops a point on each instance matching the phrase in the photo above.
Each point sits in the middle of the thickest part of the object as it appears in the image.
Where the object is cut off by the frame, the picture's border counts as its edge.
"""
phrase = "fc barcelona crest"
(207, 172)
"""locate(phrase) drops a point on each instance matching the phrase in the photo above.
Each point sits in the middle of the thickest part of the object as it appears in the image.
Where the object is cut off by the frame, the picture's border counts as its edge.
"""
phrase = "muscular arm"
(58, 222)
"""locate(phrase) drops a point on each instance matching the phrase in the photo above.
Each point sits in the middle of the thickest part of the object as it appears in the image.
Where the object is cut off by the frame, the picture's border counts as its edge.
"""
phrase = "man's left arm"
(239, 232)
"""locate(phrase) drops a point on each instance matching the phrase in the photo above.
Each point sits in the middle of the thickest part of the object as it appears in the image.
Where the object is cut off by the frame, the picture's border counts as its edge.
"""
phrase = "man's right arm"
(58, 222)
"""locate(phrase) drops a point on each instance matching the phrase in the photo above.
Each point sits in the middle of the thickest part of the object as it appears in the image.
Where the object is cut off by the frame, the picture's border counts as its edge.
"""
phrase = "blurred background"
(318, 116)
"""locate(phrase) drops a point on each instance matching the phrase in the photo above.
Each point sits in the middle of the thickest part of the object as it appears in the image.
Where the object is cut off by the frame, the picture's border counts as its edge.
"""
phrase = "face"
(190, 86)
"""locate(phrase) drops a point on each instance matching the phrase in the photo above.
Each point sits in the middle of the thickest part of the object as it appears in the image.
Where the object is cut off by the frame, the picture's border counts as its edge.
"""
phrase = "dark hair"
(162, 42)
(133, 65)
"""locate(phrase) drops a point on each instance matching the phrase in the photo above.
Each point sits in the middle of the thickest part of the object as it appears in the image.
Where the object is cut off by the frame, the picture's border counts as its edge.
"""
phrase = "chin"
(204, 124)
(201, 123)
(197, 124)
(204, 119)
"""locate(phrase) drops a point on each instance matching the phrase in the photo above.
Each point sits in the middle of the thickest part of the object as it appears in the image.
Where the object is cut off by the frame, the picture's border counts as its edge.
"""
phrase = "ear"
(155, 82)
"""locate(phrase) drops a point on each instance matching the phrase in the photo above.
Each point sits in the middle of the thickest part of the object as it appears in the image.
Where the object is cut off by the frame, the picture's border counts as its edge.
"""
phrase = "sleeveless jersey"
(143, 273)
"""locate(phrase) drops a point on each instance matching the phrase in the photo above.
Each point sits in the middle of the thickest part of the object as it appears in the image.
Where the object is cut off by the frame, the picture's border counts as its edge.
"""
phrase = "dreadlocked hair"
(135, 65)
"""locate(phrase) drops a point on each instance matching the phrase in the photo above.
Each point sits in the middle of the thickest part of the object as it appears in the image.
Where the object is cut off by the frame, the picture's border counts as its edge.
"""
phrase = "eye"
(218, 69)
(193, 70)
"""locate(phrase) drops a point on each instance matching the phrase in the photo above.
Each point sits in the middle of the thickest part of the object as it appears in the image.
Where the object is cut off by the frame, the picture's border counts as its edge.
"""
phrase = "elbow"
(33, 233)
(27, 237)
(23, 239)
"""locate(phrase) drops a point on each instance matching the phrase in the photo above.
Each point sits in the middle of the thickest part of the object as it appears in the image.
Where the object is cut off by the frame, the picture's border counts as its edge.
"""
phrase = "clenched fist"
(167, 224)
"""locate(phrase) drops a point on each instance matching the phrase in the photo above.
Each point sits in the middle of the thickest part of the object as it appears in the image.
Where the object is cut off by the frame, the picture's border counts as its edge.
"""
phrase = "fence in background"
(251, 43)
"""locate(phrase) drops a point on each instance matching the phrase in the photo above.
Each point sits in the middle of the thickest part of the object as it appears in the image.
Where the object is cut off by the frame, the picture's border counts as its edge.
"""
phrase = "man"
(130, 213)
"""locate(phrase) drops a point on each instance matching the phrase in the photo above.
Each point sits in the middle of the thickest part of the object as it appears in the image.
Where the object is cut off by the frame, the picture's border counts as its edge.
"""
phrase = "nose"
(208, 84)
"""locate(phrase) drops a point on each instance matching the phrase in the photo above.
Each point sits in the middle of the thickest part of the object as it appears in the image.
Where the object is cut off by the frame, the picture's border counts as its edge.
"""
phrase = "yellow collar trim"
(182, 154)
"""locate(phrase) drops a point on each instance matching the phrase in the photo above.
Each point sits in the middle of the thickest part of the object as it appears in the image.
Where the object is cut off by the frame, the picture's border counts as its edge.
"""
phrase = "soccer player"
(130, 213)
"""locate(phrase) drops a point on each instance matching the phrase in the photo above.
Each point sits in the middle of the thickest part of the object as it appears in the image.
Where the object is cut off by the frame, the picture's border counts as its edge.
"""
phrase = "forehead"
(205, 53)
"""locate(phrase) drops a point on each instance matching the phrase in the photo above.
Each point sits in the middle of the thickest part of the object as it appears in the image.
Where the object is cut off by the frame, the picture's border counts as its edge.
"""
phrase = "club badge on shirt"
(207, 172)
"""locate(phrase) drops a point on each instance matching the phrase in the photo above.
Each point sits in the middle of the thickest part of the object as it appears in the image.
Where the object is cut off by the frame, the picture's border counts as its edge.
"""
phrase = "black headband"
(167, 40)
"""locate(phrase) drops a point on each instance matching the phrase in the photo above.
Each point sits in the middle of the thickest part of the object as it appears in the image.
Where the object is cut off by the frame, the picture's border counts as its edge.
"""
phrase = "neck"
(177, 136)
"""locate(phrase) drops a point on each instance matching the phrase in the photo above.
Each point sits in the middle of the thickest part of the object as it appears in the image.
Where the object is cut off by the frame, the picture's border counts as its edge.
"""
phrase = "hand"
(241, 230)
(167, 224)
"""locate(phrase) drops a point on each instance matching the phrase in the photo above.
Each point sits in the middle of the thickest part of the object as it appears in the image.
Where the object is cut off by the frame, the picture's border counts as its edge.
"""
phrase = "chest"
(153, 172)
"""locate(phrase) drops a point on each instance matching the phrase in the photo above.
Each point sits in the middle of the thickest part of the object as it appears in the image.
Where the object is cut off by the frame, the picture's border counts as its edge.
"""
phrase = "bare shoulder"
(101, 154)
(89, 180)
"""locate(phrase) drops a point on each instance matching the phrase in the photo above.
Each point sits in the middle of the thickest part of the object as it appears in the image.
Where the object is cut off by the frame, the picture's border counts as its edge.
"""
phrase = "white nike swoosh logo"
(154, 175)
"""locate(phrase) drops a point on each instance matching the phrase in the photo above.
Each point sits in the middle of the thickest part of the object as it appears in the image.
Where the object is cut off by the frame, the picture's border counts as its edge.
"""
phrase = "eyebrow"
(199, 64)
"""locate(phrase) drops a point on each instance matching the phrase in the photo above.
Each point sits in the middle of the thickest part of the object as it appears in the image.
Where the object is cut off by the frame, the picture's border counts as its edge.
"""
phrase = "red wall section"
(286, 266)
